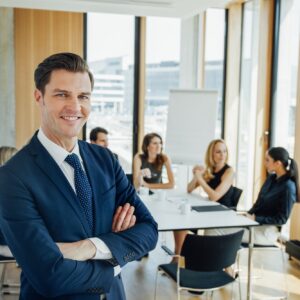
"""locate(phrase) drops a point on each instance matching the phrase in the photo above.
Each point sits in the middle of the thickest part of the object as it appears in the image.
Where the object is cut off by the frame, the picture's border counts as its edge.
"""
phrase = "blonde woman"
(215, 178)
(147, 167)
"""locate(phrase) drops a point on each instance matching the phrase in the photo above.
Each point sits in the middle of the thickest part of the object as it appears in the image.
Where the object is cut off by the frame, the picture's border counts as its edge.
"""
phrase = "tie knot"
(73, 160)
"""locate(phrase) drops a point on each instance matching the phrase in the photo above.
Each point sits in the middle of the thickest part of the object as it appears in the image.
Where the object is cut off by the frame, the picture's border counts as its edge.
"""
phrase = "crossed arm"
(82, 250)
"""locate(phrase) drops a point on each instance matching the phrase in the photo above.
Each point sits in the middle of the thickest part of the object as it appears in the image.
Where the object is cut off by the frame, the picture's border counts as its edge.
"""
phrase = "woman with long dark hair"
(275, 199)
(280, 190)
(148, 166)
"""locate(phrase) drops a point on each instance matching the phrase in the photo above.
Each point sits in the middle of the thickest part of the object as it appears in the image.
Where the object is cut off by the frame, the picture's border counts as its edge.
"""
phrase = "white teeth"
(70, 118)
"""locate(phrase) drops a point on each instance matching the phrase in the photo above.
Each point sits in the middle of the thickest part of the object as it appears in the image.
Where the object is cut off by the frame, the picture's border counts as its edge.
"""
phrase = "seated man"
(98, 136)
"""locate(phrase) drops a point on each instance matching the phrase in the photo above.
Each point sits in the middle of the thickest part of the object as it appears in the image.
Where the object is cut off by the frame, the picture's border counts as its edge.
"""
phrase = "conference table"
(171, 214)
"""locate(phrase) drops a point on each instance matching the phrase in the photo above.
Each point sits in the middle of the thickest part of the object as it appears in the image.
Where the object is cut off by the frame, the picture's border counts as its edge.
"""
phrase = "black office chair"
(236, 195)
(206, 258)
(5, 287)
(129, 178)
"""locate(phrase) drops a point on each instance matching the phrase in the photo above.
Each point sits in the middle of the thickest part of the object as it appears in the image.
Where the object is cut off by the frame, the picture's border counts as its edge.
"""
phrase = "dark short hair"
(94, 132)
(61, 61)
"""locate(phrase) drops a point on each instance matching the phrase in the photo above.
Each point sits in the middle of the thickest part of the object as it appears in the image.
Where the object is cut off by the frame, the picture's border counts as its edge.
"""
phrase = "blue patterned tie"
(83, 188)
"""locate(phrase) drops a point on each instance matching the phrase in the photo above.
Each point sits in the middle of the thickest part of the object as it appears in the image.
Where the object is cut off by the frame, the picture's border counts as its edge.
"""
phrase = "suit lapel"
(50, 168)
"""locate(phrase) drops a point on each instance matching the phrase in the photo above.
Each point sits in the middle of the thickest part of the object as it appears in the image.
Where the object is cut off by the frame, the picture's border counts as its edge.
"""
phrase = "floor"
(268, 277)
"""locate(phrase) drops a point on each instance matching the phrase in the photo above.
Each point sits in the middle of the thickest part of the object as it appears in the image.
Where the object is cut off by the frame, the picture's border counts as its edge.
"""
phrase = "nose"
(73, 104)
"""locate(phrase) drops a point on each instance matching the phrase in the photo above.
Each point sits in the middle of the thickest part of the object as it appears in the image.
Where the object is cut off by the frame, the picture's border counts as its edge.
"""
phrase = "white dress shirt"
(59, 154)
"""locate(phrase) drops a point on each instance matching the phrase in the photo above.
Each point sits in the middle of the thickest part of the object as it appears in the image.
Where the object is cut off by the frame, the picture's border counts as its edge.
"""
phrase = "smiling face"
(65, 106)
(219, 154)
(155, 146)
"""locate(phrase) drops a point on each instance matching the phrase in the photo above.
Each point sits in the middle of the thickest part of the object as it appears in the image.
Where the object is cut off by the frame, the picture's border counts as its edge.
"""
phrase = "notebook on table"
(207, 208)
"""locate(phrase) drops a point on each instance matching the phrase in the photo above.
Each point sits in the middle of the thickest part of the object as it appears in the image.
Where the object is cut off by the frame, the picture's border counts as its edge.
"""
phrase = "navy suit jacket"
(38, 208)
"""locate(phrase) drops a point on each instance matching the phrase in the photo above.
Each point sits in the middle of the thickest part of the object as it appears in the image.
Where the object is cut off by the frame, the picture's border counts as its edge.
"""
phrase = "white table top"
(168, 215)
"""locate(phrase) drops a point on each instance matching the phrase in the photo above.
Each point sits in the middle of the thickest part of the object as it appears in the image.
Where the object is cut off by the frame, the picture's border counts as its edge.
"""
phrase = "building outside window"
(162, 70)
(110, 55)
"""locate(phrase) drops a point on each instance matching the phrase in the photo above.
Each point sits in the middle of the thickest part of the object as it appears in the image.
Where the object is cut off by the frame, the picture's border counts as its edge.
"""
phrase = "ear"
(278, 164)
(38, 95)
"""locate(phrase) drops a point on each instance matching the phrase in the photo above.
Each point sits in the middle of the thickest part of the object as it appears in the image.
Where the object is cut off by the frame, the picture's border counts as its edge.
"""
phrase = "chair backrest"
(295, 222)
(4, 259)
(211, 253)
(236, 195)
(129, 178)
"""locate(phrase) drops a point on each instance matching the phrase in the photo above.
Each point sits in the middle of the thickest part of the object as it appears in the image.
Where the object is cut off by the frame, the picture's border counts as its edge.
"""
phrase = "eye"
(61, 95)
(84, 97)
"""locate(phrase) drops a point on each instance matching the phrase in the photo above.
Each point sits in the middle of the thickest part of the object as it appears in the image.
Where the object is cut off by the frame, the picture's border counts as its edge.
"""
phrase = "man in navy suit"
(71, 227)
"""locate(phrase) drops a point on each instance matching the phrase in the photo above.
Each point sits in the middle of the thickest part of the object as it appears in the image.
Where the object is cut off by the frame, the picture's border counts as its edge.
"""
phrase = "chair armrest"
(169, 251)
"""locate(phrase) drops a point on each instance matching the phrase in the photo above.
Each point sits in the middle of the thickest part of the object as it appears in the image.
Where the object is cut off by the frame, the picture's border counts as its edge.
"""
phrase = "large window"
(285, 88)
(162, 70)
(215, 29)
(110, 52)
(247, 107)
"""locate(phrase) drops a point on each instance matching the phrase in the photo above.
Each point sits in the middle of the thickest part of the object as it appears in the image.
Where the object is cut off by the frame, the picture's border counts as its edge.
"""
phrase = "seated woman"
(147, 167)
(5, 154)
(215, 179)
(275, 199)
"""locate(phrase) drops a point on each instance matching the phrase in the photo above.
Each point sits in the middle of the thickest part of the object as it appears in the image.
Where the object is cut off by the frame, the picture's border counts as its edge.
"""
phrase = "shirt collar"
(280, 179)
(57, 152)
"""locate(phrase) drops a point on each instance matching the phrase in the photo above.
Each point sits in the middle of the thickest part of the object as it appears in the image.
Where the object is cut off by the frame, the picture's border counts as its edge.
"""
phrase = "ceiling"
(166, 8)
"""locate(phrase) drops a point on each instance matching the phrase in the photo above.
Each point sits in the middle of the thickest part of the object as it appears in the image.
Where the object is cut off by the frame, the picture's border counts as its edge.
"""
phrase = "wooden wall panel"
(39, 34)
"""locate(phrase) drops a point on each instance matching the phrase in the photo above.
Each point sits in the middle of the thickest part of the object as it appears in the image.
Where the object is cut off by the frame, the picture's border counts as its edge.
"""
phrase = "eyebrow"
(68, 92)
(61, 91)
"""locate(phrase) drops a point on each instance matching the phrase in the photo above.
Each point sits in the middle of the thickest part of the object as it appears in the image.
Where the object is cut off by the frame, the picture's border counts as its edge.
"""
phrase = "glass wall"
(284, 94)
(247, 105)
(110, 54)
(215, 29)
(162, 70)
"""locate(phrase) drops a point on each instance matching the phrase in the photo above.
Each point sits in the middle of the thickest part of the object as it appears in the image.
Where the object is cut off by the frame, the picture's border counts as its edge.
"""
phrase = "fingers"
(123, 218)
(128, 219)
(116, 216)
(132, 221)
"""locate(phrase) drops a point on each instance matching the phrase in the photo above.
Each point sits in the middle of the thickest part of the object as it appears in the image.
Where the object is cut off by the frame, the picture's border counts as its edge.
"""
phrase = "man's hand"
(123, 218)
(81, 250)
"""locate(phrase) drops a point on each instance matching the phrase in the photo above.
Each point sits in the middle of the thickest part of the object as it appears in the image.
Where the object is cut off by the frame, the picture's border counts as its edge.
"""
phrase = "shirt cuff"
(117, 270)
(103, 251)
